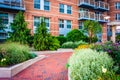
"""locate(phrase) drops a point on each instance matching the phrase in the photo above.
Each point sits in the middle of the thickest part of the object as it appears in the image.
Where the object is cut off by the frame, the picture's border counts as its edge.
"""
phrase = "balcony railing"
(94, 4)
(102, 5)
(12, 4)
(90, 3)
(85, 15)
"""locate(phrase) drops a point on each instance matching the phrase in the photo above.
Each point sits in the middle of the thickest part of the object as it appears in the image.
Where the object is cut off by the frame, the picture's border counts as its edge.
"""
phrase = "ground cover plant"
(14, 53)
(87, 64)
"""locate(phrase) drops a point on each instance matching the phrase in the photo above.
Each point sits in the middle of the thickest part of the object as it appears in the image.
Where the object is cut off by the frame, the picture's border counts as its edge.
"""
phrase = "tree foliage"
(75, 35)
(20, 32)
(43, 40)
(92, 28)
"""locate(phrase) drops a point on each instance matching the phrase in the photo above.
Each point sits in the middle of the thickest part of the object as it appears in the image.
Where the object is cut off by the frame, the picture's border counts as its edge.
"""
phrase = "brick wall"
(53, 14)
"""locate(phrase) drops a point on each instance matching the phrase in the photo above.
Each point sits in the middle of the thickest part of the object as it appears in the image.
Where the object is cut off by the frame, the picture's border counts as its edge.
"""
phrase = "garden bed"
(7, 72)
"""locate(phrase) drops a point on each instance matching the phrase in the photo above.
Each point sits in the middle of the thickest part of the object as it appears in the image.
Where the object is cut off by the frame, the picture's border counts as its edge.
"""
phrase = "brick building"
(61, 16)
(114, 14)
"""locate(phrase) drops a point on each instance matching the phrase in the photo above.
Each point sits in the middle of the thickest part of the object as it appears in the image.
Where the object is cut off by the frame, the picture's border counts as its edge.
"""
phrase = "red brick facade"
(113, 10)
(53, 14)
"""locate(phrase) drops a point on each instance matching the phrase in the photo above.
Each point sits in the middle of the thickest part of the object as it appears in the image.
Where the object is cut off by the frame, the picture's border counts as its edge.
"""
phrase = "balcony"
(87, 3)
(101, 18)
(102, 6)
(12, 4)
(85, 15)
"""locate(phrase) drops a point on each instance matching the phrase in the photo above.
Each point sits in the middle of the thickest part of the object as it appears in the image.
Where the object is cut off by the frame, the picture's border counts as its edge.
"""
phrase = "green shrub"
(32, 55)
(62, 39)
(86, 64)
(53, 43)
(72, 44)
(112, 49)
(75, 35)
(13, 53)
(118, 38)
(67, 45)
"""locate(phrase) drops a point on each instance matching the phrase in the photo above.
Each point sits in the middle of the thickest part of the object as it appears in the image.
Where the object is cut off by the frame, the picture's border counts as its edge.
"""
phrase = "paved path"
(50, 68)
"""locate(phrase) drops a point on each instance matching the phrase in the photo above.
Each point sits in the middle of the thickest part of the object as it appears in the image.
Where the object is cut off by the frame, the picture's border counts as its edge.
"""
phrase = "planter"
(7, 72)
(69, 74)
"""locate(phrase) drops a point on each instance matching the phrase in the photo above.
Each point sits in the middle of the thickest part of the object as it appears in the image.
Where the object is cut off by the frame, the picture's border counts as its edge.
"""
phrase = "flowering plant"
(113, 49)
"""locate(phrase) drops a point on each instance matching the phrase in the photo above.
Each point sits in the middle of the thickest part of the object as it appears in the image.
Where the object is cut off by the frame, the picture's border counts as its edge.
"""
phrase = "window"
(37, 4)
(65, 24)
(68, 24)
(37, 21)
(117, 5)
(61, 23)
(69, 10)
(117, 16)
(80, 25)
(46, 5)
(65, 9)
(61, 8)
(42, 4)
(4, 17)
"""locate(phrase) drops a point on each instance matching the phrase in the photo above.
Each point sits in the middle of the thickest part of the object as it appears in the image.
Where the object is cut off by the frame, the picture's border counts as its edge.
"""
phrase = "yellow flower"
(104, 70)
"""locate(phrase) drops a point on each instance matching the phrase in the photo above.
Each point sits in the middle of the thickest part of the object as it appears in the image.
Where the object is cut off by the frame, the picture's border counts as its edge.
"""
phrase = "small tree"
(20, 32)
(43, 40)
(92, 28)
(41, 36)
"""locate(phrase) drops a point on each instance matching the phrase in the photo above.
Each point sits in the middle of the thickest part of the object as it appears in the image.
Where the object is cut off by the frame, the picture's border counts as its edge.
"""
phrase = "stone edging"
(11, 71)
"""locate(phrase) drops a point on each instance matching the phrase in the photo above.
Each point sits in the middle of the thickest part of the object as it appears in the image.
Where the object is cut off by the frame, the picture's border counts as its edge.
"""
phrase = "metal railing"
(13, 3)
(92, 16)
(86, 15)
(96, 4)
(90, 2)
(104, 5)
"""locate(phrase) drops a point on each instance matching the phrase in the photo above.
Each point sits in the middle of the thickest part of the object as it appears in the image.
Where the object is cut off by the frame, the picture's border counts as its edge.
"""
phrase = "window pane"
(61, 23)
(4, 17)
(37, 4)
(36, 21)
(47, 22)
(69, 11)
(46, 5)
(68, 24)
(61, 8)
(80, 25)
(117, 5)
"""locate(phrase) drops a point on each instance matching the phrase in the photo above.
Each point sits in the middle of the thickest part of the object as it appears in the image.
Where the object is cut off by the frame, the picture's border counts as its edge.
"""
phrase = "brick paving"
(53, 67)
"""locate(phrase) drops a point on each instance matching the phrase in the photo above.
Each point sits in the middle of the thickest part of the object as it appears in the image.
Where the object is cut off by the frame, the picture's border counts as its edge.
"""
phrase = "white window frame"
(42, 5)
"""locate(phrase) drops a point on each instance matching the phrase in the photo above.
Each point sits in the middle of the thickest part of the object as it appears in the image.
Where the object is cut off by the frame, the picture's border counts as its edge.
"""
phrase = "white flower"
(104, 70)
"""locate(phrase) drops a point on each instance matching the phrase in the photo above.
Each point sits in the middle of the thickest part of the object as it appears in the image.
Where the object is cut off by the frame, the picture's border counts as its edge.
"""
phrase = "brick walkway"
(50, 68)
